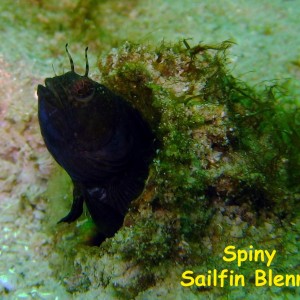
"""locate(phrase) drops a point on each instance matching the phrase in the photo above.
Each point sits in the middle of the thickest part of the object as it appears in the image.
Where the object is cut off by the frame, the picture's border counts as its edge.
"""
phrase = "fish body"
(101, 141)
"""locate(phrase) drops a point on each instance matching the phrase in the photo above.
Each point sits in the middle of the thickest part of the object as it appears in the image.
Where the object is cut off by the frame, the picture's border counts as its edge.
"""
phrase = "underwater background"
(218, 81)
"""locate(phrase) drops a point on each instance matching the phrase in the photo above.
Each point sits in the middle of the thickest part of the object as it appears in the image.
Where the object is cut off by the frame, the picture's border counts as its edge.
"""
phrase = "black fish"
(102, 142)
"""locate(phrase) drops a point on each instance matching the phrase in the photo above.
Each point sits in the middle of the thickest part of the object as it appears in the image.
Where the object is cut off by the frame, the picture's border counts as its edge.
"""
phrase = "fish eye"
(83, 90)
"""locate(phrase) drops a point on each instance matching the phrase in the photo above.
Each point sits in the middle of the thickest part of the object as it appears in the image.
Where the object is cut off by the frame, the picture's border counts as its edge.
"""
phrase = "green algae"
(226, 172)
(244, 199)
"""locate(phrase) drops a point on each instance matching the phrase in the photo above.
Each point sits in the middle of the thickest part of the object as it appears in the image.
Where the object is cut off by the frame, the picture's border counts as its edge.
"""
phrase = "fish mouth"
(48, 93)
(44, 93)
(41, 90)
(51, 87)
(48, 83)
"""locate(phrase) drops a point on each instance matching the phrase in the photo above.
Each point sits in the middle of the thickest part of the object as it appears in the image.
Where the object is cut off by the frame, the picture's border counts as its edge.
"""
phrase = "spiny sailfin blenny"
(102, 142)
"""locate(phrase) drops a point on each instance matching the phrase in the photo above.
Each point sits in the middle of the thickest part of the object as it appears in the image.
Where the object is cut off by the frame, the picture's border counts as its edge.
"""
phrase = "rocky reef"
(226, 173)
(226, 170)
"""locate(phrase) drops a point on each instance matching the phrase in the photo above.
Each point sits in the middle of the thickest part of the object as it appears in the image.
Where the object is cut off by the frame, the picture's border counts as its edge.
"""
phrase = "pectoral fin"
(77, 206)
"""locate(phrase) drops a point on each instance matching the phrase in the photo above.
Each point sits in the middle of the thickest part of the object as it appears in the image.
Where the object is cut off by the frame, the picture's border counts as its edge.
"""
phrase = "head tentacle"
(70, 58)
(86, 63)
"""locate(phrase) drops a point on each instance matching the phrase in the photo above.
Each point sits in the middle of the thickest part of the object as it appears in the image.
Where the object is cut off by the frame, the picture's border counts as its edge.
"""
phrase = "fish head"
(67, 91)
(76, 109)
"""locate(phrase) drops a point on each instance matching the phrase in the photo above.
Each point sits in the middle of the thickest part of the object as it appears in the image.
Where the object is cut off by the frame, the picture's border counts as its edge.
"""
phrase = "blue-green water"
(33, 34)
